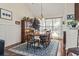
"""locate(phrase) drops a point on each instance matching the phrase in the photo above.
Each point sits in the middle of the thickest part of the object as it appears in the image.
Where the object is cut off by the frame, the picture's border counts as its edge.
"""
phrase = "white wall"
(68, 9)
(9, 31)
(50, 10)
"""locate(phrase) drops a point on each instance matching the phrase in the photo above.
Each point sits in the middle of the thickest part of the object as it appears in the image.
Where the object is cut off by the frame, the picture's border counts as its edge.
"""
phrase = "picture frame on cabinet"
(5, 14)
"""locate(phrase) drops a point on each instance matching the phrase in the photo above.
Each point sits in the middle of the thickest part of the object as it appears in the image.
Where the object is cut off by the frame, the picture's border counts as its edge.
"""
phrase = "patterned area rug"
(51, 50)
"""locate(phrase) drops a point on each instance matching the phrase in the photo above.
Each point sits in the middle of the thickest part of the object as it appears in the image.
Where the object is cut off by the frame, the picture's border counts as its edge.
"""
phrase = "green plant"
(26, 18)
(73, 23)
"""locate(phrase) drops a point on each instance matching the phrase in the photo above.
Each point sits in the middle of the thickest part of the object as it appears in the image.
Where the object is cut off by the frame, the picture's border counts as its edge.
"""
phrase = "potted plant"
(72, 23)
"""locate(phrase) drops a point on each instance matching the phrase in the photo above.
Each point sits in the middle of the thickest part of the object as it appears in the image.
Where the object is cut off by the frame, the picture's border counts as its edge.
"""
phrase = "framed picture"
(17, 22)
(5, 14)
(70, 17)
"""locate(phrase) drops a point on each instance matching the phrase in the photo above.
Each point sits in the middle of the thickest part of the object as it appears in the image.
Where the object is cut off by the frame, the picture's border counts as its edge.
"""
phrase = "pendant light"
(41, 16)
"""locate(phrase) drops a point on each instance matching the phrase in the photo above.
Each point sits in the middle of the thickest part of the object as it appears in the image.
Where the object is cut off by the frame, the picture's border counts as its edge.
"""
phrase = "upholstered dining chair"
(45, 39)
(29, 41)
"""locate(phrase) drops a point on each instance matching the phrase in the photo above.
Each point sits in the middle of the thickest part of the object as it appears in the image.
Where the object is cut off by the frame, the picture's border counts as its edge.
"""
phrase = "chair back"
(1, 47)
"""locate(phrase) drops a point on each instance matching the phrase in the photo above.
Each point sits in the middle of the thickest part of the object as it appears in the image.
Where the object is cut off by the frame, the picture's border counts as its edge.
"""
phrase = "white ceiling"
(48, 9)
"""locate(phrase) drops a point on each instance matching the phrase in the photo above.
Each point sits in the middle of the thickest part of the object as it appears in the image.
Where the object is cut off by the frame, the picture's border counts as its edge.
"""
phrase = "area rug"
(51, 50)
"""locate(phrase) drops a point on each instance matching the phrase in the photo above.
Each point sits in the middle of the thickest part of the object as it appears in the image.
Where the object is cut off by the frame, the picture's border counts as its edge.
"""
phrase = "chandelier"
(41, 15)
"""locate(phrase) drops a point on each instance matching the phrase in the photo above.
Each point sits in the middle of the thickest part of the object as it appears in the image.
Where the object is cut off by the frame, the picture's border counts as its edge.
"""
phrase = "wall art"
(70, 17)
(5, 14)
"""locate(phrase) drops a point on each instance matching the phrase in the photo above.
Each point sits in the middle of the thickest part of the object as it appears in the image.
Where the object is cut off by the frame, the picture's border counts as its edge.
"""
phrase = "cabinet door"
(71, 38)
(77, 11)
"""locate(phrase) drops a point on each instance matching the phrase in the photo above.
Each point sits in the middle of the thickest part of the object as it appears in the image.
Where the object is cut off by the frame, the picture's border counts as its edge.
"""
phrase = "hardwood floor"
(9, 53)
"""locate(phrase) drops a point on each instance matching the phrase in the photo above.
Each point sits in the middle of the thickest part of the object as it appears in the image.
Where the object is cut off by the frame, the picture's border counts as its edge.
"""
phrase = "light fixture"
(41, 16)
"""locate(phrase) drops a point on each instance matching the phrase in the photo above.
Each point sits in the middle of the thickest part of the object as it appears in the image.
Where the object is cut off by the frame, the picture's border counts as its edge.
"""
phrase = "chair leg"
(34, 45)
(27, 46)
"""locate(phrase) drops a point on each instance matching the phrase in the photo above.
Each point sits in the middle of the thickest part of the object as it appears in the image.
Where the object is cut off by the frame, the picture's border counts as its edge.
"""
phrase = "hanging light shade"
(41, 12)
(41, 16)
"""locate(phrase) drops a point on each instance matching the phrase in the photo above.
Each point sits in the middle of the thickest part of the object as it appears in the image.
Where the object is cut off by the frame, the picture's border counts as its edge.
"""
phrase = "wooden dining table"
(37, 40)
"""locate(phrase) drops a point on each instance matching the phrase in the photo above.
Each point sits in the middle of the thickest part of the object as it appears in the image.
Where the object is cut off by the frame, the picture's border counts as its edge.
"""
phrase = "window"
(42, 25)
(53, 24)
(48, 24)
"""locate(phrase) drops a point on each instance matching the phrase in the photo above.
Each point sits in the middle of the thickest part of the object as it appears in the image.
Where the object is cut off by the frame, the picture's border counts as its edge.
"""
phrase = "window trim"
(52, 22)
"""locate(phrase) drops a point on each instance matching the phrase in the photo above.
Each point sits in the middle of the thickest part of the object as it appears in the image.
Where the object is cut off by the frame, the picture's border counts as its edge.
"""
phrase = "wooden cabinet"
(25, 32)
(22, 31)
(71, 38)
(77, 11)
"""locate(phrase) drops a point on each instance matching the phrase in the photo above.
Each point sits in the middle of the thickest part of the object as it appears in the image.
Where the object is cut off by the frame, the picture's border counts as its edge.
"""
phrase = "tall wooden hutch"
(26, 29)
